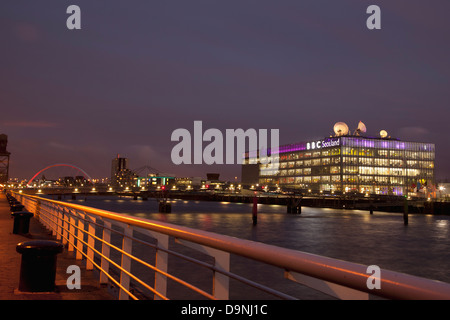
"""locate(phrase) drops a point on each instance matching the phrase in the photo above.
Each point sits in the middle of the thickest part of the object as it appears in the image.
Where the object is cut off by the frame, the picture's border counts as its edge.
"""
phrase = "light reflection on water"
(422, 248)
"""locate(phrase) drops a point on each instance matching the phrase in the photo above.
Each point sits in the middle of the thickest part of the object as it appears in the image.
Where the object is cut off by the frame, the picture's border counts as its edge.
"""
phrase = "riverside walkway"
(10, 261)
(146, 245)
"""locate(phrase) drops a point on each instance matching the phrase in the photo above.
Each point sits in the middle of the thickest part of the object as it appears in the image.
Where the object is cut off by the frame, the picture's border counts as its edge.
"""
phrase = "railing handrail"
(394, 285)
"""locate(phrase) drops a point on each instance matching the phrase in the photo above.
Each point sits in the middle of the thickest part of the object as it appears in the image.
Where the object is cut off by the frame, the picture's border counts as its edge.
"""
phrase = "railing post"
(221, 262)
(91, 243)
(126, 262)
(221, 288)
(60, 221)
(48, 217)
(49, 213)
(38, 209)
(57, 215)
(65, 228)
(80, 235)
(43, 217)
(72, 231)
(105, 251)
(161, 262)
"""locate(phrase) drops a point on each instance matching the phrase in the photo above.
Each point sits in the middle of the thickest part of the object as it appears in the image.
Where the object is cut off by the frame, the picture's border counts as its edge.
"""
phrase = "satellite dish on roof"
(361, 127)
(383, 133)
(340, 129)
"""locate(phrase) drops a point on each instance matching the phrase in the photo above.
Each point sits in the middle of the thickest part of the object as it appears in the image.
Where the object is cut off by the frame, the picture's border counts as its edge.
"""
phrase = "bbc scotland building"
(346, 162)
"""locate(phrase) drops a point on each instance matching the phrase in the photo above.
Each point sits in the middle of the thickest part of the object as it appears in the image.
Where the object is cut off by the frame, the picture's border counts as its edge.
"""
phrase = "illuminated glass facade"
(347, 164)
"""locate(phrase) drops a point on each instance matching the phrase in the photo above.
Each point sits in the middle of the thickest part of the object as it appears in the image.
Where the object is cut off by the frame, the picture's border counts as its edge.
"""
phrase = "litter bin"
(21, 222)
(11, 201)
(17, 207)
(38, 265)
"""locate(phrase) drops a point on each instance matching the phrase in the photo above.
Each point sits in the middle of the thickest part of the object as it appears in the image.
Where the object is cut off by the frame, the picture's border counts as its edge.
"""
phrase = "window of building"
(335, 169)
(382, 153)
(396, 163)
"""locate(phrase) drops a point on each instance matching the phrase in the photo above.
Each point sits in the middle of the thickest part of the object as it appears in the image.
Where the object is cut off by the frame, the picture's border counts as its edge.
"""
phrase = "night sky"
(138, 70)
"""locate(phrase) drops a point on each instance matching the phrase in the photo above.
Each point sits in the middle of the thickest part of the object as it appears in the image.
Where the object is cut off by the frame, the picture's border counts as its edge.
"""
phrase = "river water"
(421, 248)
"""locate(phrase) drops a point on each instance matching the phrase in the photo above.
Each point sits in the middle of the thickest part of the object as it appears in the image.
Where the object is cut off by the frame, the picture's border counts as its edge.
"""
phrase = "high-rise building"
(4, 159)
(121, 176)
(346, 162)
(117, 165)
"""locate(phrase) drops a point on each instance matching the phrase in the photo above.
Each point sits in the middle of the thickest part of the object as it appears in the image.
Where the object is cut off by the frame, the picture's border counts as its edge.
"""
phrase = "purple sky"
(138, 70)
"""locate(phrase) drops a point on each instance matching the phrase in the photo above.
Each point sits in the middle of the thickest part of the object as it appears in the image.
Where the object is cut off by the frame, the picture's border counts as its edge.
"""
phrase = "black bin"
(21, 222)
(38, 265)
(17, 207)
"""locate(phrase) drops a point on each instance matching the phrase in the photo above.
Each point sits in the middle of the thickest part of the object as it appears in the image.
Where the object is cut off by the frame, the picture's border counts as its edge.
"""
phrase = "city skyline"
(134, 74)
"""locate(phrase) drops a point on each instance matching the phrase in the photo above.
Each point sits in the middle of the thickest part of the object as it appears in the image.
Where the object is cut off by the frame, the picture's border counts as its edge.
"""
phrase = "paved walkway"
(10, 265)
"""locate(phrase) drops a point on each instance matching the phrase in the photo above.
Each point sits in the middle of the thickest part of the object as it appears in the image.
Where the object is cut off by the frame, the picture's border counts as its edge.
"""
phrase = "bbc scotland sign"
(319, 144)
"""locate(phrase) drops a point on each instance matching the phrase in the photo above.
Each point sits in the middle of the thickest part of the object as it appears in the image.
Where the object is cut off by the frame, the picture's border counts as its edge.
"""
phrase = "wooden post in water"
(255, 210)
(289, 205)
(405, 213)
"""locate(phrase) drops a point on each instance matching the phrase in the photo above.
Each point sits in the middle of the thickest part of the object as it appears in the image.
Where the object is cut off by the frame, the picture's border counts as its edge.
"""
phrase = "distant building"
(4, 159)
(153, 181)
(189, 183)
(69, 181)
(346, 162)
(121, 176)
(118, 164)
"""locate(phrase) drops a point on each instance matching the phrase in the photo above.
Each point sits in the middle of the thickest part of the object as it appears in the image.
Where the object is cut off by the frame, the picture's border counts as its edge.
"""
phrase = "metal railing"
(106, 241)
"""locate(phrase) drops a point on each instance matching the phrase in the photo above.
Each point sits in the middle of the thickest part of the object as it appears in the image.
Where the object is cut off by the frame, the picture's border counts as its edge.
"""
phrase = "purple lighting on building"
(348, 142)
(290, 148)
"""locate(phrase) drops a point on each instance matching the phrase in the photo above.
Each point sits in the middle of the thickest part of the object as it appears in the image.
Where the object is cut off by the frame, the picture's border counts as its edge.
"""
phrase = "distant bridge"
(88, 177)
